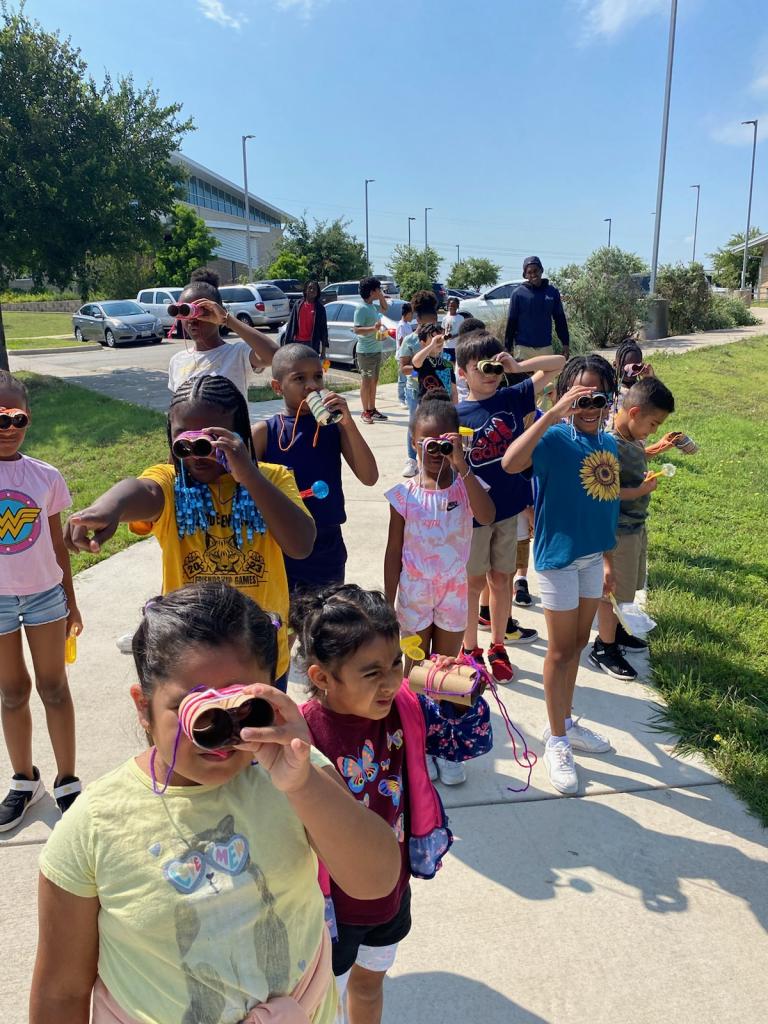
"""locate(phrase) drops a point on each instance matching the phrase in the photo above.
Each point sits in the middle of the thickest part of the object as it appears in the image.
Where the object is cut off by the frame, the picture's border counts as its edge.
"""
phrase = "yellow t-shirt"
(209, 896)
(256, 567)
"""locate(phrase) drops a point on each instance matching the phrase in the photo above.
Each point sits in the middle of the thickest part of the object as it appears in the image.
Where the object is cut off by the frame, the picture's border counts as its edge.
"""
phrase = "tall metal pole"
(749, 206)
(409, 230)
(426, 243)
(609, 220)
(247, 206)
(663, 154)
(696, 222)
(458, 254)
(368, 181)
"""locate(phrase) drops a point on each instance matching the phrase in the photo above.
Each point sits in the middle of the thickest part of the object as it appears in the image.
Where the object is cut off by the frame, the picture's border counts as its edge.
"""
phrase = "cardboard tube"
(459, 684)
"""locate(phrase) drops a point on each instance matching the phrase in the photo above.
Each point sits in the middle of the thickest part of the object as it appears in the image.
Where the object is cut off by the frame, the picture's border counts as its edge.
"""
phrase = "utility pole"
(695, 222)
(663, 153)
(247, 207)
(749, 206)
(458, 254)
(426, 243)
(368, 181)
(609, 221)
(409, 230)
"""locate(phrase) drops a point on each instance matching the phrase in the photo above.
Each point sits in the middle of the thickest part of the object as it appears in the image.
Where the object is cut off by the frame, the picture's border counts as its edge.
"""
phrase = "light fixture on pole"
(609, 221)
(247, 206)
(663, 153)
(368, 181)
(749, 206)
(409, 230)
(696, 222)
(426, 243)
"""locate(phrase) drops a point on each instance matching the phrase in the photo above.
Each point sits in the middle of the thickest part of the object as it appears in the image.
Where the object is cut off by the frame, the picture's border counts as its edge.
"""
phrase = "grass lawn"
(264, 392)
(36, 325)
(709, 564)
(94, 441)
(21, 344)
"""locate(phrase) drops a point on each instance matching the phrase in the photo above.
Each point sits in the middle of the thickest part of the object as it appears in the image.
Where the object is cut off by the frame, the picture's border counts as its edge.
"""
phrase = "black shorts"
(353, 936)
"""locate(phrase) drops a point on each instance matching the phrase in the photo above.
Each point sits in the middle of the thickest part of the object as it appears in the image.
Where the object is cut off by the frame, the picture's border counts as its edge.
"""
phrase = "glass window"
(237, 294)
(502, 292)
(347, 314)
(162, 297)
(128, 308)
(145, 297)
(332, 310)
(269, 292)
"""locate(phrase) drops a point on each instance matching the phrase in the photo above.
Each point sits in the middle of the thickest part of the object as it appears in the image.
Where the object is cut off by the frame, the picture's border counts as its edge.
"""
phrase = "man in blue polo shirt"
(532, 309)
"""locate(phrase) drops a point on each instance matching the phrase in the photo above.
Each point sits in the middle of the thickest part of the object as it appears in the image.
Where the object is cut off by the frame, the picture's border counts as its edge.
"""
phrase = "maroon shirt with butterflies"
(370, 757)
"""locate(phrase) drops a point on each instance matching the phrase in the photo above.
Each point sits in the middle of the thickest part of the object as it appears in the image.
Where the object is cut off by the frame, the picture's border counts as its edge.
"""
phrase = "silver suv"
(258, 305)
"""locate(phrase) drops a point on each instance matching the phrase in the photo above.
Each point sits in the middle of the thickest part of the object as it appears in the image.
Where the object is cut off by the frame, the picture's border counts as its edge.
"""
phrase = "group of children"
(165, 876)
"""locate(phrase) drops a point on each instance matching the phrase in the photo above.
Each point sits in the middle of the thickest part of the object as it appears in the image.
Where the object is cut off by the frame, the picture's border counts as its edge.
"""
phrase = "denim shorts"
(562, 589)
(32, 609)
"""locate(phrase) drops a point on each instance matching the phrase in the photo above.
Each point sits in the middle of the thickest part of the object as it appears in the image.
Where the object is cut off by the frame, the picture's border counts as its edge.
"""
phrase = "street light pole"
(458, 254)
(409, 230)
(609, 221)
(663, 153)
(426, 264)
(368, 181)
(749, 206)
(247, 206)
(696, 222)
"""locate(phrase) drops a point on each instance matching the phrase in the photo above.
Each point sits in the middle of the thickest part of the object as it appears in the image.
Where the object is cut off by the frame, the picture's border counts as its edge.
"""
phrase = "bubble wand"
(319, 490)
(668, 469)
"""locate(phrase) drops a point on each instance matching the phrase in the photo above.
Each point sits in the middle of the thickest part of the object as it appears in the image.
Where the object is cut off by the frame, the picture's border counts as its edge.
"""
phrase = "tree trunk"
(3, 350)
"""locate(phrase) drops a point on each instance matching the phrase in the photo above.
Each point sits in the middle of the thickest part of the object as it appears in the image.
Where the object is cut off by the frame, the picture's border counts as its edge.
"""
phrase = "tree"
(330, 251)
(84, 169)
(727, 265)
(289, 265)
(188, 245)
(473, 273)
(686, 290)
(414, 270)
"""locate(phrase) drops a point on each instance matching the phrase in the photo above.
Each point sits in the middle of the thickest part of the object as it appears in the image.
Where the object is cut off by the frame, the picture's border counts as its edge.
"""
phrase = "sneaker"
(378, 417)
(23, 793)
(608, 658)
(626, 640)
(366, 417)
(520, 593)
(66, 790)
(558, 757)
(431, 769)
(517, 634)
(125, 643)
(501, 666)
(476, 654)
(484, 616)
(452, 773)
(582, 738)
(403, 404)
(411, 467)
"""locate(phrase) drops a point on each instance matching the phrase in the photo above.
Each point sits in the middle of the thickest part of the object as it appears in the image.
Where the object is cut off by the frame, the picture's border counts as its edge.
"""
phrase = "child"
(468, 325)
(644, 408)
(576, 472)
(629, 367)
(294, 439)
(451, 324)
(367, 327)
(36, 591)
(432, 369)
(497, 415)
(228, 524)
(404, 328)
(183, 885)
(364, 718)
(425, 308)
(211, 354)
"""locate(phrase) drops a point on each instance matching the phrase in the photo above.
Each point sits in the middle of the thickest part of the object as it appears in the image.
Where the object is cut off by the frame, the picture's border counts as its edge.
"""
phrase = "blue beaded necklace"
(194, 508)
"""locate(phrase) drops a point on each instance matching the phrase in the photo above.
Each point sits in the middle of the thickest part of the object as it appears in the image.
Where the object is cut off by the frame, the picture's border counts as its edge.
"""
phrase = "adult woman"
(307, 322)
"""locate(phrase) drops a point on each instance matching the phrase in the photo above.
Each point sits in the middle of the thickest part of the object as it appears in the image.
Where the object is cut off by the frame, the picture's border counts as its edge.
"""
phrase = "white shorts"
(372, 958)
(562, 589)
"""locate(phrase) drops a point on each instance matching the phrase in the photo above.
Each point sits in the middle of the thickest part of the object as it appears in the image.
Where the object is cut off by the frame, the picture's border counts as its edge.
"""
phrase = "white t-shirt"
(451, 325)
(404, 328)
(232, 360)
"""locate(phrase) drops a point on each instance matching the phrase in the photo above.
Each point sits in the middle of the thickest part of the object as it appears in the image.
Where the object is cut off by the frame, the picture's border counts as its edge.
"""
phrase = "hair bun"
(205, 275)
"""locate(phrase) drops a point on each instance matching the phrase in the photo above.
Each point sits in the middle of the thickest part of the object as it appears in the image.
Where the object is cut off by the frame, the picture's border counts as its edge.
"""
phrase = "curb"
(48, 351)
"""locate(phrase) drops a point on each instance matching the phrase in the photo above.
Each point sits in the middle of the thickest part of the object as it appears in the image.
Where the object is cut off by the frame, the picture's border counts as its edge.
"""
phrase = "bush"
(17, 295)
(685, 288)
(729, 311)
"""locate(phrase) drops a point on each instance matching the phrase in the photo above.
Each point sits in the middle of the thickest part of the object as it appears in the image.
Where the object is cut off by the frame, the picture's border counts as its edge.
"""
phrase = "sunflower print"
(600, 476)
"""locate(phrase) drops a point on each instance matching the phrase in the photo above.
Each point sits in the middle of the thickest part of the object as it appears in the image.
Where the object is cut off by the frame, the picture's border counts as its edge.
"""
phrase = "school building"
(758, 245)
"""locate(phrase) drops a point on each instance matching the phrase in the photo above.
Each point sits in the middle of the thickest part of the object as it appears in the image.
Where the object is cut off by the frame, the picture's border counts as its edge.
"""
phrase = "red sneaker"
(476, 654)
(501, 666)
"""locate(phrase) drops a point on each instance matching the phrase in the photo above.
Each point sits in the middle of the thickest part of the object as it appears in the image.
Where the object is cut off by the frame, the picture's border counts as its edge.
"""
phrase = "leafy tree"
(727, 265)
(122, 277)
(84, 169)
(473, 273)
(289, 265)
(330, 251)
(188, 245)
(413, 269)
(686, 290)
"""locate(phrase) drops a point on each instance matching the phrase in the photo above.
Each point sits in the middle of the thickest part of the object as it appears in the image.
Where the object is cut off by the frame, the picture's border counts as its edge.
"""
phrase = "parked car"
(461, 293)
(341, 289)
(389, 286)
(491, 301)
(258, 305)
(342, 340)
(156, 302)
(109, 323)
(291, 287)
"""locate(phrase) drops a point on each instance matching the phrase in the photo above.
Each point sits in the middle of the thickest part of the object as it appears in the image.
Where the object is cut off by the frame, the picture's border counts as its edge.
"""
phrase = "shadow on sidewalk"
(436, 997)
(129, 384)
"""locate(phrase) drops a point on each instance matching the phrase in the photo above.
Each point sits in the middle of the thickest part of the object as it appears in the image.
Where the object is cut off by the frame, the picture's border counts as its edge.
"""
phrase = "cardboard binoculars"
(320, 410)
(213, 719)
(460, 684)
(490, 367)
(185, 310)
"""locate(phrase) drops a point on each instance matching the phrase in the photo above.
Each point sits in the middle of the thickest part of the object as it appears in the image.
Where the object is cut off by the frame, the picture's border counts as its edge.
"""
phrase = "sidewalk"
(644, 899)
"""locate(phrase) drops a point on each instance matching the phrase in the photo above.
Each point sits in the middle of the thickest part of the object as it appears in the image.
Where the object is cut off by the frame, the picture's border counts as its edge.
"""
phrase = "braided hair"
(629, 347)
(577, 365)
(193, 501)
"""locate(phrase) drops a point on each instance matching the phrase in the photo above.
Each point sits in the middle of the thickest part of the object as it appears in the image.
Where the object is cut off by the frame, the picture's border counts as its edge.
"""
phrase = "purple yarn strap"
(153, 754)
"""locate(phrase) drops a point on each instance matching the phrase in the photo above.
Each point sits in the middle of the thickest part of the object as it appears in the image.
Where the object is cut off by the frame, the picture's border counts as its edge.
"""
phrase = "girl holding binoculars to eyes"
(183, 885)
(576, 470)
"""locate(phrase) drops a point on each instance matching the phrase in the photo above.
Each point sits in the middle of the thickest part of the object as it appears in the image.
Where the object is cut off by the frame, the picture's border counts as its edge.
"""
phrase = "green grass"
(94, 441)
(709, 564)
(264, 393)
(389, 371)
(36, 325)
(20, 344)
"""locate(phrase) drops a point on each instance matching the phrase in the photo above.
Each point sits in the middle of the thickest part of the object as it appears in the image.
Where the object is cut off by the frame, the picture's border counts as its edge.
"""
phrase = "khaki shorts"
(493, 547)
(526, 352)
(629, 564)
(369, 364)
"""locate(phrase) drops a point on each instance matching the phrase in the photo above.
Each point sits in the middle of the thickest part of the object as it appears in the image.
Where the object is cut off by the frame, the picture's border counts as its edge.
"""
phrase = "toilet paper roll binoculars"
(185, 310)
(213, 719)
(460, 684)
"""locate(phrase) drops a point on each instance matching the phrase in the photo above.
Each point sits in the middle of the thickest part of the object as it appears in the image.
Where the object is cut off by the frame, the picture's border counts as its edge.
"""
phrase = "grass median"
(709, 564)
(19, 325)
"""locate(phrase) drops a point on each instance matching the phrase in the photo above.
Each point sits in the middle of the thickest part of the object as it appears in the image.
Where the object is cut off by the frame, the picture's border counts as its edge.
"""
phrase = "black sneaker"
(517, 634)
(484, 616)
(66, 790)
(23, 793)
(631, 643)
(608, 658)
(520, 594)
(378, 417)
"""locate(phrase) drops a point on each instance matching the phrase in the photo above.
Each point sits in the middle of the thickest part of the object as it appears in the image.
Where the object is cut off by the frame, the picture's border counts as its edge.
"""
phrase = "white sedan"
(491, 302)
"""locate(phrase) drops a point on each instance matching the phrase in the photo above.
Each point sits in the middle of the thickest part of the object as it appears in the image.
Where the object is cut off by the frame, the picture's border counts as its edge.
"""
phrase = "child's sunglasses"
(490, 368)
(13, 418)
(437, 446)
(598, 400)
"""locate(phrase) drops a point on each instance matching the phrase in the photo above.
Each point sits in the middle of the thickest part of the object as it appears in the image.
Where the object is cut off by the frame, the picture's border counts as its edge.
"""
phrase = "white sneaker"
(452, 773)
(403, 404)
(125, 643)
(431, 769)
(558, 757)
(410, 468)
(582, 738)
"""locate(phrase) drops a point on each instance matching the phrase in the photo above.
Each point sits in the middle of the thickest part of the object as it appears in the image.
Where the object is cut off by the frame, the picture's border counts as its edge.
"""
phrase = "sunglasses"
(490, 368)
(437, 445)
(598, 400)
(13, 418)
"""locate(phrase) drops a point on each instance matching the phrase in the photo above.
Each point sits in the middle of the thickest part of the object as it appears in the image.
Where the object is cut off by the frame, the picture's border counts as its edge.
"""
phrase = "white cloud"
(760, 83)
(305, 8)
(214, 10)
(733, 133)
(607, 18)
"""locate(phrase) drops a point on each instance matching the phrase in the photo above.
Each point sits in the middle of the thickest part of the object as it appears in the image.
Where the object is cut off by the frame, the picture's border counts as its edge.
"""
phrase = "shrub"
(685, 288)
(729, 311)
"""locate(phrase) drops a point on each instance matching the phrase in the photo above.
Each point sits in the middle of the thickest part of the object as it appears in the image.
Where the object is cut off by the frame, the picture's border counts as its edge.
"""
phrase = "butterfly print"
(392, 788)
(359, 770)
(396, 740)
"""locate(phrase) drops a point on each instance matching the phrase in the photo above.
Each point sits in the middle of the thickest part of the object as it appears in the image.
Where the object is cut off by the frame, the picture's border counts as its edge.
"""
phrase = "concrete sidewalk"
(643, 899)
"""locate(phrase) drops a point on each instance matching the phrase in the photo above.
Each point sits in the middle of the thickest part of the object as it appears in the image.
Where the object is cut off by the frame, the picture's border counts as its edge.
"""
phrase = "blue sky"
(522, 124)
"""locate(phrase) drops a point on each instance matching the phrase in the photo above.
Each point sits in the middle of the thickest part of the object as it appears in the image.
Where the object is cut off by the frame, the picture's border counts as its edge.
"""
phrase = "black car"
(292, 288)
